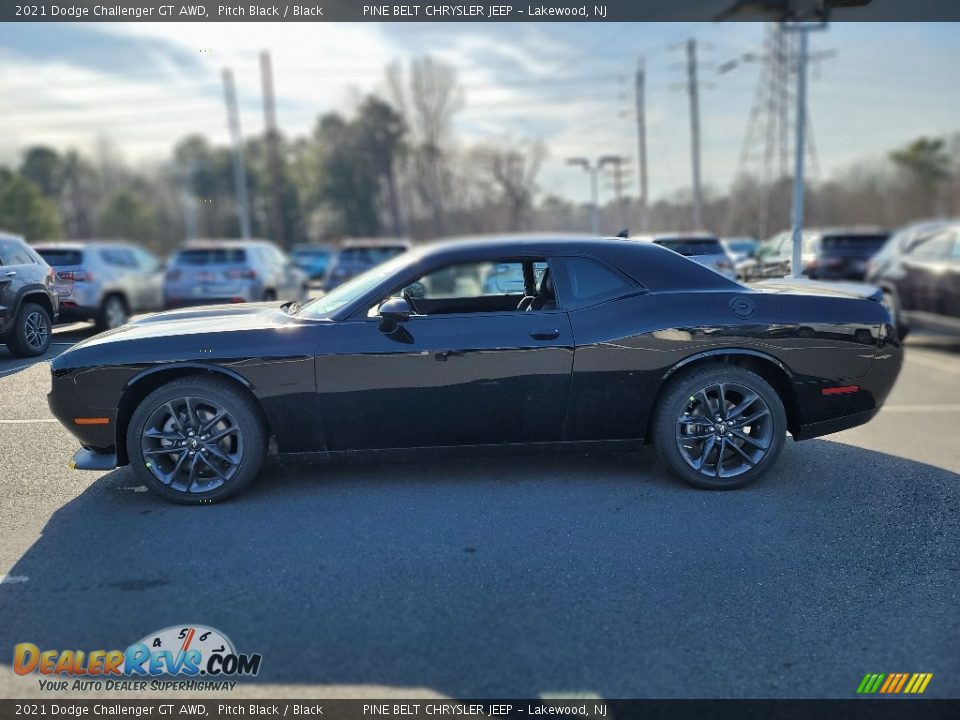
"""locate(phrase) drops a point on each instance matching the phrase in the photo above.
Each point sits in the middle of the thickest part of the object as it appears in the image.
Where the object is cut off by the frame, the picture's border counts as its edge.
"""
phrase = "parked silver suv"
(209, 272)
(104, 280)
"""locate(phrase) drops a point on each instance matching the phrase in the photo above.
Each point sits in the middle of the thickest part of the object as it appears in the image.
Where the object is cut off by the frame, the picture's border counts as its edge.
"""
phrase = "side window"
(590, 282)
(467, 280)
(119, 257)
(144, 260)
(13, 253)
(934, 247)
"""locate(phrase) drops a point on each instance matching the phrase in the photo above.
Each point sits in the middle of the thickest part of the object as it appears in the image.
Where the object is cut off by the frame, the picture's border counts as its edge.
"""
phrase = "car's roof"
(208, 244)
(374, 242)
(846, 230)
(659, 237)
(80, 244)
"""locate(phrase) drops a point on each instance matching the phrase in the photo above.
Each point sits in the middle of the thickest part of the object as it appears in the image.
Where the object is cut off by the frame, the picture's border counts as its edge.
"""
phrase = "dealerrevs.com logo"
(191, 651)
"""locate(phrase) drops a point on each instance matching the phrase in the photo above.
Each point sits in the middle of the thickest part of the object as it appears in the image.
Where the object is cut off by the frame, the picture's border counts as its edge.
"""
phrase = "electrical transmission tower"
(768, 142)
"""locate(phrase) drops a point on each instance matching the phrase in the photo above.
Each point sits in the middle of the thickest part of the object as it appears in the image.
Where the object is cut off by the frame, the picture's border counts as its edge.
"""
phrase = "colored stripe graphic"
(894, 683)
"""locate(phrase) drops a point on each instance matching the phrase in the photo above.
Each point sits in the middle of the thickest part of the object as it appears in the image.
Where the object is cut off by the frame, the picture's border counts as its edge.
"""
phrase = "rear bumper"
(823, 413)
(71, 312)
(826, 427)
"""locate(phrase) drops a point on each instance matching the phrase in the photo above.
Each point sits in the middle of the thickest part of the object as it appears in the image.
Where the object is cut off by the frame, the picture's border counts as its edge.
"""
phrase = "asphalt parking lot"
(587, 576)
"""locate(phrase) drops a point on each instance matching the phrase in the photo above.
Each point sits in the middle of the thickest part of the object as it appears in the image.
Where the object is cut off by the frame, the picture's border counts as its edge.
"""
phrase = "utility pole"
(642, 142)
(187, 200)
(239, 167)
(273, 153)
(798, 189)
(693, 91)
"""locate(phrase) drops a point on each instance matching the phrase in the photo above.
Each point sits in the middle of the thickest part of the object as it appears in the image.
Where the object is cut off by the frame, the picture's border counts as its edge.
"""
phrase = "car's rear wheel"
(30, 335)
(269, 296)
(719, 427)
(197, 440)
(113, 313)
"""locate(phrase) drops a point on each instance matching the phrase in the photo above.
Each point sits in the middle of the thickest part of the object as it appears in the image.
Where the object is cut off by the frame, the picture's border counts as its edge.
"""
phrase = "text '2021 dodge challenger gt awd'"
(485, 342)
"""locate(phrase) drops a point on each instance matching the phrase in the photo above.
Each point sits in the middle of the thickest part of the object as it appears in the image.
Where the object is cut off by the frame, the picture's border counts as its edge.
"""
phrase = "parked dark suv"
(28, 302)
(920, 280)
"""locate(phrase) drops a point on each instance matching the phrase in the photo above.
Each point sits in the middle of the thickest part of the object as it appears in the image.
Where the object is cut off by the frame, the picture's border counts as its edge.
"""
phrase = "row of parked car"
(107, 281)
(917, 267)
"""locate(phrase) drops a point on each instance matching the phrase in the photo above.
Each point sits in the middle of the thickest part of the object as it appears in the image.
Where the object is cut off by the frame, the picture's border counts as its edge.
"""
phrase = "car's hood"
(802, 286)
(188, 321)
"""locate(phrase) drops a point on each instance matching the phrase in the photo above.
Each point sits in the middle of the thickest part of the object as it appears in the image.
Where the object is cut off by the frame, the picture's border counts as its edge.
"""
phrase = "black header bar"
(407, 709)
(478, 11)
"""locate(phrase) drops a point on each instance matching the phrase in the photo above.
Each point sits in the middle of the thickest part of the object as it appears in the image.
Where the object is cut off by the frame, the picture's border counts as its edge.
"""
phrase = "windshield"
(324, 307)
(373, 255)
(60, 256)
(211, 256)
(866, 243)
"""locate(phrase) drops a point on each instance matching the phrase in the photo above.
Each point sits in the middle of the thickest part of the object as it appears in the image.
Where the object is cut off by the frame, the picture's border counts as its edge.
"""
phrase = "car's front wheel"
(30, 335)
(197, 440)
(719, 427)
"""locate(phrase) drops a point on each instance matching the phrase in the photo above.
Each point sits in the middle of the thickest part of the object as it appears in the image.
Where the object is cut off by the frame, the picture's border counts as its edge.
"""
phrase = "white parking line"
(921, 408)
(933, 361)
(18, 368)
(28, 422)
(12, 579)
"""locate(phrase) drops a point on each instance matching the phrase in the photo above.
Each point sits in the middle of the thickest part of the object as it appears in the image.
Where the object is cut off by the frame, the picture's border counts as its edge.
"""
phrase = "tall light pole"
(798, 189)
(592, 169)
(693, 90)
(642, 141)
(239, 166)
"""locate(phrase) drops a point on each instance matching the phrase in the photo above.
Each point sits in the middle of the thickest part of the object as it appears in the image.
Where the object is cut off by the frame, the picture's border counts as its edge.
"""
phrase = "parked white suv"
(103, 280)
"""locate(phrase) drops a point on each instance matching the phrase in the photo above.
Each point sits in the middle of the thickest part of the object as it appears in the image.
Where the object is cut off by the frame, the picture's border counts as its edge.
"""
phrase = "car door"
(921, 289)
(18, 269)
(149, 280)
(950, 286)
(473, 369)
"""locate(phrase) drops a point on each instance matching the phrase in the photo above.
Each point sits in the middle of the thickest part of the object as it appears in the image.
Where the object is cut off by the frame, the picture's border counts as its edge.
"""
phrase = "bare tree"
(511, 172)
(428, 97)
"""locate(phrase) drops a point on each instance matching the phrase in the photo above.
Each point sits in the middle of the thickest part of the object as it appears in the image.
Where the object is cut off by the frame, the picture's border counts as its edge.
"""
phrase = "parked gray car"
(28, 301)
(212, 272)
(106, 281)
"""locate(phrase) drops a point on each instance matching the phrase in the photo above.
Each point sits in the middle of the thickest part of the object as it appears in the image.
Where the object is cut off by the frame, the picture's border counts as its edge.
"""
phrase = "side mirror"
(393, 311)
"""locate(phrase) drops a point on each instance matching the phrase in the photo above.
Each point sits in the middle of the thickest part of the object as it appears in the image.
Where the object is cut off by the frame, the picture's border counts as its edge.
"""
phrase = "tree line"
(394, 167)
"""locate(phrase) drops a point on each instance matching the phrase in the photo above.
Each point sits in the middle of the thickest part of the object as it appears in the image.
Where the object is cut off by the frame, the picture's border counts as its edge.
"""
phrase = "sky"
(143, 86)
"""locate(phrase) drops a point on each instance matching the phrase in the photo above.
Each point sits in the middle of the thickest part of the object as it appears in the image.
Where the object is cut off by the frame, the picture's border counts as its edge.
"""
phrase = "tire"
(269, 296)
(192, 479)
(30, 334)
(113, 313)
(682, 444)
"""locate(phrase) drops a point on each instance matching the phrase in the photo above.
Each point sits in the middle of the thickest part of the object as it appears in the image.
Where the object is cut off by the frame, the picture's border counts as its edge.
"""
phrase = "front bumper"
(84, 459)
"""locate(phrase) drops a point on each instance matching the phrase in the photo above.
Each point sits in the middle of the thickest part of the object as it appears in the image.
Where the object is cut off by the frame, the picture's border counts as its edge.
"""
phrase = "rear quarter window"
(589, 282)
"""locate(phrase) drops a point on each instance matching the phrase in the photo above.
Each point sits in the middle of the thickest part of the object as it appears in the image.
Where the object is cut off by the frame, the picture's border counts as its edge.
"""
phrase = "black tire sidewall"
(675, 399)
(18, 344)
(240, 406)
(102, 314)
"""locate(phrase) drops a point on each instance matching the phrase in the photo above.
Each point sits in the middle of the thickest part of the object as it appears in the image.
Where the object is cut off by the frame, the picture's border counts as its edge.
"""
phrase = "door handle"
(10, 273)
(547, 334)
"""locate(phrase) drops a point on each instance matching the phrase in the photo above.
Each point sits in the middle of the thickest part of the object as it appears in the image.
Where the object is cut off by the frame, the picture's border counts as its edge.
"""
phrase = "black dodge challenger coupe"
(484, 342)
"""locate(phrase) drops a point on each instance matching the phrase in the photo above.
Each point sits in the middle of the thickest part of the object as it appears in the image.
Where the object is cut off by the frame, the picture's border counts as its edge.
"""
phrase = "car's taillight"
(75, 275)
(173, 275)
(244, 274)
